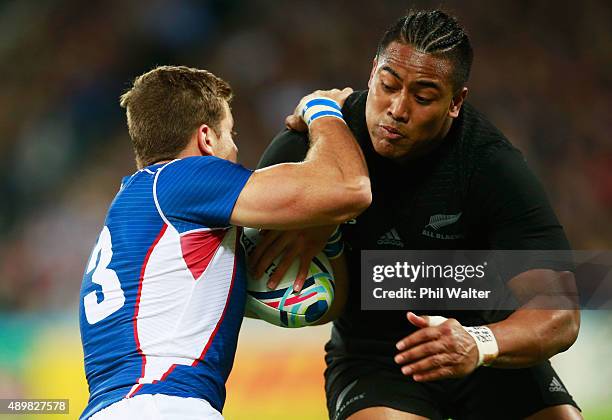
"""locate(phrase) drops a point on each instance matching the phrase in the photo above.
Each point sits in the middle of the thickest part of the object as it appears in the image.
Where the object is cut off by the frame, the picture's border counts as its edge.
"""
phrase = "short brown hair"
(167, 104)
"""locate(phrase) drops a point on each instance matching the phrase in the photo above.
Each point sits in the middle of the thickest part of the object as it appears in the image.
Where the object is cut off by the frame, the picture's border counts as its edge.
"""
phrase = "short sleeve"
(199, 190)
(515, 211)
(287, 146)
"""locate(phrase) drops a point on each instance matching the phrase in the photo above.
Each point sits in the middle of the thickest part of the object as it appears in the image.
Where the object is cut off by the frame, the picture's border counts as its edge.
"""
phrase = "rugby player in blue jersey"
(163, 293)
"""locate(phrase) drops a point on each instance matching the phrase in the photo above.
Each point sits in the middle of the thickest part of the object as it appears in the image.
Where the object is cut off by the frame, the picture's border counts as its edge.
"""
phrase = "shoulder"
(354, 115)
(292, 146)
(199, 190)
(196, 163)
(186, 168)
(479, 142)
(286, 146)
(355, 102)
(478, 131)
(198, 175)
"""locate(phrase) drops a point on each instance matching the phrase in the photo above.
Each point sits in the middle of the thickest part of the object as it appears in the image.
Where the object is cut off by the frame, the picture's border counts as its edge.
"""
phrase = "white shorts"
(158, 407)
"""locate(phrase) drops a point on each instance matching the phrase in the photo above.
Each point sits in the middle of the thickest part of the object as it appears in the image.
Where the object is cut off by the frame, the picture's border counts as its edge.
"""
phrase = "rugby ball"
(282, 306)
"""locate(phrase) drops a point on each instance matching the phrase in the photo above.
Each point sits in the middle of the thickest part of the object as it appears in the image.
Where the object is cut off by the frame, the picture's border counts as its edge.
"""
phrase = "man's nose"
(399, 109)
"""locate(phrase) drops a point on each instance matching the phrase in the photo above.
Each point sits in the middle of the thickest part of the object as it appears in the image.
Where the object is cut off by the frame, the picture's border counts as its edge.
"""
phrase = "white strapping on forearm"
(482, 335)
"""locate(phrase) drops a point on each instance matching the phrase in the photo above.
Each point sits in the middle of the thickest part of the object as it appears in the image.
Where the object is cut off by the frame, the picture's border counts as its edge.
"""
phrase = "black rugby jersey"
(475, 178)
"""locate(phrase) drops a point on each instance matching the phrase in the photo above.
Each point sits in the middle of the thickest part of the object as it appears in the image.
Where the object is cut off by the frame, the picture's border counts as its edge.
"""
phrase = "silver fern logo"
(438, 221)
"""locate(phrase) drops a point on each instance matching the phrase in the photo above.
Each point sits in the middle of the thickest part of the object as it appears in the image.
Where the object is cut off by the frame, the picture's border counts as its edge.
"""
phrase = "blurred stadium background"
(542, 73)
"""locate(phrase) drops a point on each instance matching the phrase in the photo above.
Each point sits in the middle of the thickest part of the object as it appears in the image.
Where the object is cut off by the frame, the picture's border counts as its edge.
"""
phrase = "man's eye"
(386, 87)
(422, 100)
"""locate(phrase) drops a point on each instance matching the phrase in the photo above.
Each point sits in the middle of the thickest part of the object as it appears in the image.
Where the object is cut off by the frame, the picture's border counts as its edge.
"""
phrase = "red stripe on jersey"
(229, 295)
(142, 273)
(199, 248)
(165, 375)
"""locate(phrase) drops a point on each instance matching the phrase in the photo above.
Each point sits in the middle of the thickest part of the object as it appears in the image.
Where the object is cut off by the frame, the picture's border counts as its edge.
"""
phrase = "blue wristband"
(321, 107)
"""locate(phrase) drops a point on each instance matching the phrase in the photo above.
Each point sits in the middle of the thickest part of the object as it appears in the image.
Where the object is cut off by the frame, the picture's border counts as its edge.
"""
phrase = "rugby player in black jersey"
(431, 154)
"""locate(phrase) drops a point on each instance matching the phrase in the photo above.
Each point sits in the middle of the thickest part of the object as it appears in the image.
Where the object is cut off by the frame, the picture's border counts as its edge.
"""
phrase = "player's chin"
(388, 148)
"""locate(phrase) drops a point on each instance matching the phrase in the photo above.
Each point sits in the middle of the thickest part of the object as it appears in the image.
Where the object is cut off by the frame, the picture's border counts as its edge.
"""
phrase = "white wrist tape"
(485, 340)
(320, 107)
(486, 343)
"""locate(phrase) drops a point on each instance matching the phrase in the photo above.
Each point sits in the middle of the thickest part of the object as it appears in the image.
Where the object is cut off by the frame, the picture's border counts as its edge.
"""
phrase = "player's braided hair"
(433, 32)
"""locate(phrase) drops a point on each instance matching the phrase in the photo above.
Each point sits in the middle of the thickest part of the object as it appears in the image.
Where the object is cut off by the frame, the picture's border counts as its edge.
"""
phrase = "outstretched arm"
(330, 186)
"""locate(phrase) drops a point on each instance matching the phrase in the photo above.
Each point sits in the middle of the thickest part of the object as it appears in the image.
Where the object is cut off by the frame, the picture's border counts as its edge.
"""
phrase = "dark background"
(542, 73)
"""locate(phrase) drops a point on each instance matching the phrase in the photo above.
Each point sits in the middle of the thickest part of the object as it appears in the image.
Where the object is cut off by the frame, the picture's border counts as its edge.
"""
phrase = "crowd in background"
(542, 74)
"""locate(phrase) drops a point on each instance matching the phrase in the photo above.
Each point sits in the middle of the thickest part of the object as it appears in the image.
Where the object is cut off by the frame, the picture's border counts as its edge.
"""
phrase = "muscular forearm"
(530, 336)
(333, 146)
(334, 174)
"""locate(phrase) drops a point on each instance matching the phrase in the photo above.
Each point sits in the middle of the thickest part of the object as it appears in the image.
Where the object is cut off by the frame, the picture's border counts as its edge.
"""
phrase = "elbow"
(361, 196)
(341, 201)
(562, 335)
(355, 199)
(571, 320)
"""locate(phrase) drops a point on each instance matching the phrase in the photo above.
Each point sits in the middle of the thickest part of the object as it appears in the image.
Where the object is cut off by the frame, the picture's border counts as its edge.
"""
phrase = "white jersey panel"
(178, 314)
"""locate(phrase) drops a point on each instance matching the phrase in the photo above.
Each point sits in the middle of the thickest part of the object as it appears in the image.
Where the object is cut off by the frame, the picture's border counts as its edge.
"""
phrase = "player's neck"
(159, 162)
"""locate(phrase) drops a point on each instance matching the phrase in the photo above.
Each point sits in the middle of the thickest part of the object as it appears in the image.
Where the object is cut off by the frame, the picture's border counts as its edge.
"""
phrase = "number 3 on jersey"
(112, 294)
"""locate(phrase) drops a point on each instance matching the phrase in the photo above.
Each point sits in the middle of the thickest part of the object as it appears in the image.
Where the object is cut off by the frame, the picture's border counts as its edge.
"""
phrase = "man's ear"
(206, 140)
(374, 64)
(455, 106)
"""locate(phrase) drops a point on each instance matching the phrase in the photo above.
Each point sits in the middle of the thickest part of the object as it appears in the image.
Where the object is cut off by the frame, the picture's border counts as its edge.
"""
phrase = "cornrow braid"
(433, 32)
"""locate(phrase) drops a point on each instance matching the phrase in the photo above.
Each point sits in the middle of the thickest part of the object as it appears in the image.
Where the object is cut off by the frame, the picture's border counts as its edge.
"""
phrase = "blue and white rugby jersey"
(163, 294)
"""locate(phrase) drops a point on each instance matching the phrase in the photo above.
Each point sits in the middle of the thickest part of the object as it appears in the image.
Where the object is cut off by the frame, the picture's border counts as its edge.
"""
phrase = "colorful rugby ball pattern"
(282, 306)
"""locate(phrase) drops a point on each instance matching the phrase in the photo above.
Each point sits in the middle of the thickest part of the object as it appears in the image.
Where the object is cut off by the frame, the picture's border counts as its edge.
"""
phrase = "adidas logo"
(556, 386)
(391, 238)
